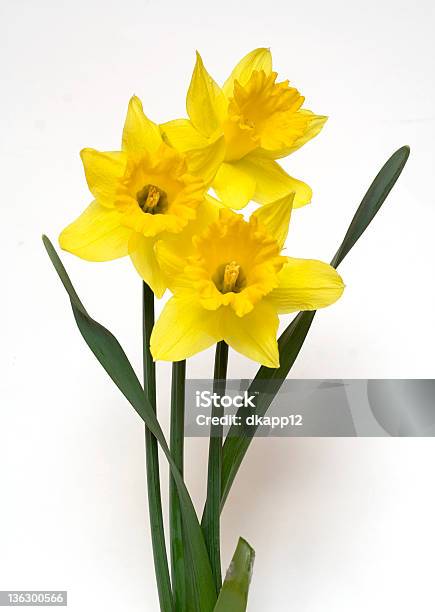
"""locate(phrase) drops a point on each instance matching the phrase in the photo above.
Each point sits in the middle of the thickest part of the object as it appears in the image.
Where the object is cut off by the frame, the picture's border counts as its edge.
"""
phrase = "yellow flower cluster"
(227, 275)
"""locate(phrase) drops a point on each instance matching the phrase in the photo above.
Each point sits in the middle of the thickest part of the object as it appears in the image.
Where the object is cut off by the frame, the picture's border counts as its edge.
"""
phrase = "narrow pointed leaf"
(177, 537)
(160, 555)
(112, 357)
(292, 339)
(211, 515)
(233, 596)
(372, 201)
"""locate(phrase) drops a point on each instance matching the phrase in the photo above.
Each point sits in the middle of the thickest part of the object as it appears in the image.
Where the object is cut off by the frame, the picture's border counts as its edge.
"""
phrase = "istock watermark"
(207, 399)
(252, 420)
(334, 408)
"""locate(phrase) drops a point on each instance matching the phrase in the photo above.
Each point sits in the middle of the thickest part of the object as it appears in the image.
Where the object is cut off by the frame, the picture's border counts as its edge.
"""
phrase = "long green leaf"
(178, 541)
(152, 461)
(112, 357)
(292, 339)
(233, 596)
(211, 516)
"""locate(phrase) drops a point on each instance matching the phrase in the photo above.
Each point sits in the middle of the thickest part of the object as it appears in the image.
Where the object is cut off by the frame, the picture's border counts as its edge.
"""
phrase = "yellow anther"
(152, 200)
(231, 274)
(153, 197)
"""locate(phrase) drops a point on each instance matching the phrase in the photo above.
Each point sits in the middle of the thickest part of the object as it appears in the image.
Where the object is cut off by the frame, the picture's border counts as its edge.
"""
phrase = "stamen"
(152, 200)
(231, 274)
(248, 123)
(153, 197)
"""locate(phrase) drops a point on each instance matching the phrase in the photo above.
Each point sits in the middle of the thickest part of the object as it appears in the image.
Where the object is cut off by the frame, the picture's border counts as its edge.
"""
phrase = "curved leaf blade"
(372, 201)
(112, 357)
(233, 596)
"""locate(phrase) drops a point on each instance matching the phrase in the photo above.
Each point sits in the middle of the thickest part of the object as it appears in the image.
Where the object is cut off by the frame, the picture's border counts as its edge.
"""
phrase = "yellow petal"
(272, 182)
(96, 235)
(276, 217)
(253, 335)
(173, 251)
(205, 162)
(140, 134)
(206, 104)
(143, 256)
(316, 123)
(183, 329)
(103, 170)
(259, 59)
(306, 284)
(172, 266)
(214, 201)
(206, 213)
(181, 135)
(234, 185)
(313, 126)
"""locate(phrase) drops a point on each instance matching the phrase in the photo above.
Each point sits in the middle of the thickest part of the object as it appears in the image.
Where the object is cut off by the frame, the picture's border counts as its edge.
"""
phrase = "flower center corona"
(152, 200)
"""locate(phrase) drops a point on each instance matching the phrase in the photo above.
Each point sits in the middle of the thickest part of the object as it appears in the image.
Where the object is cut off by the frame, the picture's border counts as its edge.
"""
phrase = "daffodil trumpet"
(229, 276)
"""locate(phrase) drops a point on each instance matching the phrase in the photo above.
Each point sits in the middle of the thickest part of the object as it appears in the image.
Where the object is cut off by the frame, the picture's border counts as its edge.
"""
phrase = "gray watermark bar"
(313, 407)
(33, 598)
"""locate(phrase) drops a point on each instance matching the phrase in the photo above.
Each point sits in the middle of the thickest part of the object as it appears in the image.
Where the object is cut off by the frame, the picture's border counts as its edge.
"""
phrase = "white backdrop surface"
(337, 524)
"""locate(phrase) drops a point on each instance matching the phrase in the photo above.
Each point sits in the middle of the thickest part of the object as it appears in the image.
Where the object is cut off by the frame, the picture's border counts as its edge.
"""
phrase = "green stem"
(211, 515)
(178, 562)
(152, 462)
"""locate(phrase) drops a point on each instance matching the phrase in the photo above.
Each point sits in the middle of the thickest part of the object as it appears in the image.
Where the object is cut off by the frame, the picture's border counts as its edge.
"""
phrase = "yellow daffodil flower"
(235, 283)
(260, 119)
(146, 192)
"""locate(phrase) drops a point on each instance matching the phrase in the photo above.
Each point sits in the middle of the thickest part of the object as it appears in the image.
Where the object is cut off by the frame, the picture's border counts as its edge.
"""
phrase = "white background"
(337, 524)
